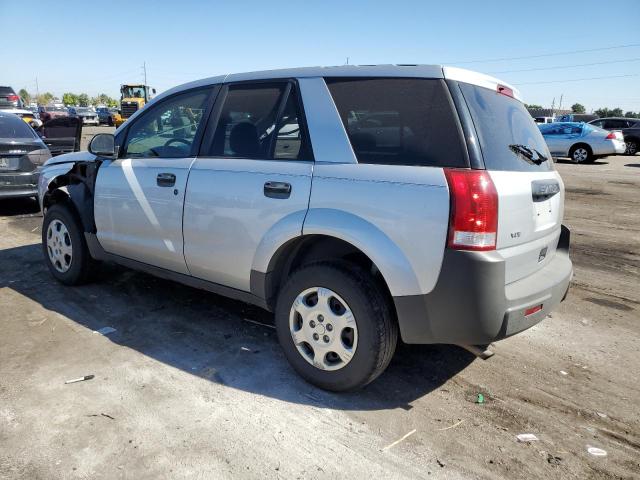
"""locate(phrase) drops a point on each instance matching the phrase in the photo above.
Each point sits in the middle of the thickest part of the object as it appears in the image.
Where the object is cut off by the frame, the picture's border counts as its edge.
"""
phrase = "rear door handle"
(166, 179)
(277, 189)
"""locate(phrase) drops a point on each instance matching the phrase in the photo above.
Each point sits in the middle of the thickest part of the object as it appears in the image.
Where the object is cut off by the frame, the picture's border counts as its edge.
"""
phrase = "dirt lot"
(187, 388)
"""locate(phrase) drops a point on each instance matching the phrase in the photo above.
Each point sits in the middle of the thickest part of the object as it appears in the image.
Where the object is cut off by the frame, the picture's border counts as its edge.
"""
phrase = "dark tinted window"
(167, 129)
(398, 121)
(12, 126)
(501, 123)
(613, 124)
(247, 121)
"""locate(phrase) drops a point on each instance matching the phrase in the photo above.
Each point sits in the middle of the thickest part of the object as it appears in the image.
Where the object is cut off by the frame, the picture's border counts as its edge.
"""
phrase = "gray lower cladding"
(98, 253)
(471, 305)
(19, 184)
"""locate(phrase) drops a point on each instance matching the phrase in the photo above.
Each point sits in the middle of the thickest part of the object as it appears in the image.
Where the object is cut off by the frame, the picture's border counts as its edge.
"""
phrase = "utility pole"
(553, 106)
(347, 60)
(560, 106)
(144, 69)
(37, 90)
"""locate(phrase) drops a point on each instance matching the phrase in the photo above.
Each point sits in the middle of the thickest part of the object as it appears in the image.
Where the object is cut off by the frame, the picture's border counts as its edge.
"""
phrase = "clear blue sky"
(93, 46)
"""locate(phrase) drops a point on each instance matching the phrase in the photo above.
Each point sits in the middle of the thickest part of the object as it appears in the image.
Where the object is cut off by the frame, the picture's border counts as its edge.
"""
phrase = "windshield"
(133, 92)
(83, 110)
(14, 127)
(509, 138)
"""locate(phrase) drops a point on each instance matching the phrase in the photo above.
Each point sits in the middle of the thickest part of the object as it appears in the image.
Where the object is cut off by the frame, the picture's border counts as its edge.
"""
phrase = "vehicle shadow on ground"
(209, 336)
(570, 162)
(637, 165)
(10, 207)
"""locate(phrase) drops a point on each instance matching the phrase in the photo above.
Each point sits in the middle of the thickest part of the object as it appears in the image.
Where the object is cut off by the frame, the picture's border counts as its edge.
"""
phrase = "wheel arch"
(74, 187)
(331, 235)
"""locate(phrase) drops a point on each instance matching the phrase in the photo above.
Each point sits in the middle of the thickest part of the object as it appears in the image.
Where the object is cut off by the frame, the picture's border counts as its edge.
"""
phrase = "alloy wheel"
(580, 154)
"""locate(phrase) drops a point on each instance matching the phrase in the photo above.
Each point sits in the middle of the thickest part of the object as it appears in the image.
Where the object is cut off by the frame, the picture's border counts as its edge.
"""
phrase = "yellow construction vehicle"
(132, 98)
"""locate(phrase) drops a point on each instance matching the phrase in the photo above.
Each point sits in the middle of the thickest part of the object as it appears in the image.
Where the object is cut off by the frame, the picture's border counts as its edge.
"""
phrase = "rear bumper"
(471, 305)
(19, 184)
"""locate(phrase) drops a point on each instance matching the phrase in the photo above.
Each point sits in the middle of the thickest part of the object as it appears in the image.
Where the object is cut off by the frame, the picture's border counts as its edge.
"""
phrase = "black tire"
(582, 153)
(632, 147)
(377, 330)
(80, 264)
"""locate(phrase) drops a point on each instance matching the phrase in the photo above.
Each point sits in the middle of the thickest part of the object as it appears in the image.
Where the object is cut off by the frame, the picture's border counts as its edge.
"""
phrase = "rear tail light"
(13, 98)
(611, 136)
(473, 219)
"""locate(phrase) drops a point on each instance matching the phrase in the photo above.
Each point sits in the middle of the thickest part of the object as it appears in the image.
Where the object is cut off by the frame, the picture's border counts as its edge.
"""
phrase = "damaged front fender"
(71, 178)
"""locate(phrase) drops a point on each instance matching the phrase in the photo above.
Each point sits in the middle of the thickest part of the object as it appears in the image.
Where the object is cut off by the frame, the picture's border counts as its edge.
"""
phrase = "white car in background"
(581, 142)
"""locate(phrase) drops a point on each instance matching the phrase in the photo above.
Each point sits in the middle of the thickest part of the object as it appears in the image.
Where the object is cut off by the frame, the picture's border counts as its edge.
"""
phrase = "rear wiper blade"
(528, 153)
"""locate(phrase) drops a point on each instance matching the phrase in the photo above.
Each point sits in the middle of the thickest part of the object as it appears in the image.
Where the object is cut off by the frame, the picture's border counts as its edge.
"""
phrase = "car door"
(251, 183)
(61, 134)
(552, 135)
(139, 196)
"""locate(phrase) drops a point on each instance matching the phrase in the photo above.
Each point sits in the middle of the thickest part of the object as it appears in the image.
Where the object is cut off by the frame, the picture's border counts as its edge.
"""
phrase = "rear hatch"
(530, 191)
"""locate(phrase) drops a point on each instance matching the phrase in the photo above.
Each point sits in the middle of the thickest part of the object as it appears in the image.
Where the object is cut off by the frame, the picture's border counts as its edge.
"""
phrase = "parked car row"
(582, 142)
(628, 129)
(24, 150)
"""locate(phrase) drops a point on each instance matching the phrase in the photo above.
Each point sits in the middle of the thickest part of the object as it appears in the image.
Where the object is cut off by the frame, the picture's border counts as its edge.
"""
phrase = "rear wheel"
(581, 154)
(64, 247)
(335, 326)
(632, 147)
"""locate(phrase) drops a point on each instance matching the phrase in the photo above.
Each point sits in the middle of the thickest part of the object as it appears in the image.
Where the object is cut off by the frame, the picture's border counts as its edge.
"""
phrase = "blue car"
(581, 142)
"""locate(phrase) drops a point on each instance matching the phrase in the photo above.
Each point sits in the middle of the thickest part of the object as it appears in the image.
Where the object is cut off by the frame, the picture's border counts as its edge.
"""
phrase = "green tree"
(631, 114)
(578, 108)
(70, 98)
(26, 96)
(83, 100)
(534, 107)
(45, 98)
(616, 112)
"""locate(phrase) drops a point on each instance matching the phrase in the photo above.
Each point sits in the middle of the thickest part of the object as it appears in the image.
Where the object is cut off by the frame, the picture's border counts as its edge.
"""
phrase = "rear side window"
(506, 131)
(399, 121)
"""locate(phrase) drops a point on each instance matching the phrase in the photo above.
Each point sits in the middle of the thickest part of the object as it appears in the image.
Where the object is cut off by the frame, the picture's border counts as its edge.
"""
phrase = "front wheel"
(335, 325)
(64, 247)
(632, 147)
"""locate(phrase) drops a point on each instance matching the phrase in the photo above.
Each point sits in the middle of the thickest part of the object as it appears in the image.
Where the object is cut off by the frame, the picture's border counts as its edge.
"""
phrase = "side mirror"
(103, 145)
(153, 90)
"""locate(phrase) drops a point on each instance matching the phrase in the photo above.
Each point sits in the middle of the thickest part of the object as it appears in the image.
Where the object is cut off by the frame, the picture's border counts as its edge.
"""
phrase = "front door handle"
(277, 189)
(166, 179)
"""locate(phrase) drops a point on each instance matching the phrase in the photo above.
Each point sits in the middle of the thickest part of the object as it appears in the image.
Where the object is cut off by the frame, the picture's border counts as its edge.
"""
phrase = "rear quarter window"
(399, 121)
(501, 122)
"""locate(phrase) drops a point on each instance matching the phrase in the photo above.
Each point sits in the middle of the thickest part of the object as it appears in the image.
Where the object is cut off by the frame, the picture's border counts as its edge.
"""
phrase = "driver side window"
(168, 129)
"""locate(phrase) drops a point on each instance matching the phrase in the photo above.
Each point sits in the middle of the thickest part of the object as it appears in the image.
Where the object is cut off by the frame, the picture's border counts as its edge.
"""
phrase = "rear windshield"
(12, 126)
(399, 121)
(509, 138)
(6, 90)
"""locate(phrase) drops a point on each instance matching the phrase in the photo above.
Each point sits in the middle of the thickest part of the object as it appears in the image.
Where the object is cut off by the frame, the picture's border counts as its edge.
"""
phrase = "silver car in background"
(88, 116)
(581, 142)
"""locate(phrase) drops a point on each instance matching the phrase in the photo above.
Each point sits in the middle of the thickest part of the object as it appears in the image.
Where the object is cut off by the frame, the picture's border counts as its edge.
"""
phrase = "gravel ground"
(189, 387)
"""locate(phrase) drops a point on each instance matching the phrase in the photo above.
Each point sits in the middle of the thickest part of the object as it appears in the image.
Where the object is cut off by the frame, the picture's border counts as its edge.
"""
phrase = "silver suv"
(358, 203)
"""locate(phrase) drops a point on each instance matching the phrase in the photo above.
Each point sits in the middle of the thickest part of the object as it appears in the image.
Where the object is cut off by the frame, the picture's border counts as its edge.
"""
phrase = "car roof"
(400, 71)
(618, 118)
